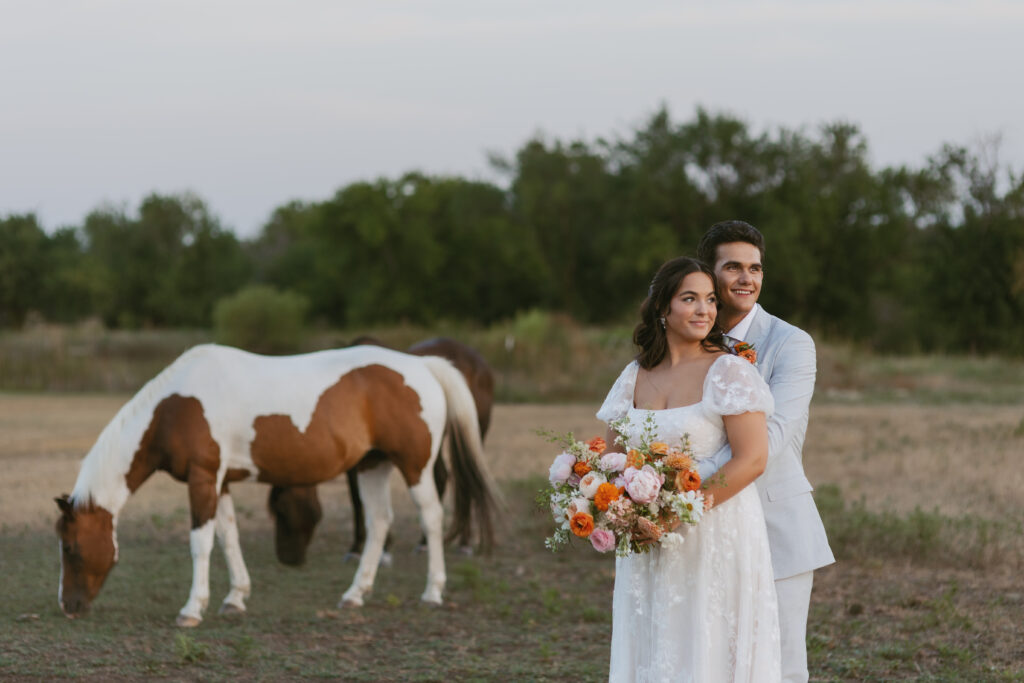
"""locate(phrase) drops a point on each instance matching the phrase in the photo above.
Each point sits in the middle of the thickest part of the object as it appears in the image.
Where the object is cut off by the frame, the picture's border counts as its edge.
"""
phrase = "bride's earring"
(662, 320)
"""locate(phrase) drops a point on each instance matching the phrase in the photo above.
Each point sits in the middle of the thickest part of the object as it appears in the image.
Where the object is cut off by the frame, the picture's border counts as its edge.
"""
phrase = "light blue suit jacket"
(786, 361)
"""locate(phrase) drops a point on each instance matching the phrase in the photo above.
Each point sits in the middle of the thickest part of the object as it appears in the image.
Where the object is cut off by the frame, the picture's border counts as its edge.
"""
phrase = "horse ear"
(64, 503)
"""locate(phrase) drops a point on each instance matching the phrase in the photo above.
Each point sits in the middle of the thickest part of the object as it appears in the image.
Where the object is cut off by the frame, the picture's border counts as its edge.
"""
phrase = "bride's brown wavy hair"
(649, 334)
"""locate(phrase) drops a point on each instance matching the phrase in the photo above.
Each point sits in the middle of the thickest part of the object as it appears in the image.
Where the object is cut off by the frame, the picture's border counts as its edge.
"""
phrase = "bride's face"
(693, 309)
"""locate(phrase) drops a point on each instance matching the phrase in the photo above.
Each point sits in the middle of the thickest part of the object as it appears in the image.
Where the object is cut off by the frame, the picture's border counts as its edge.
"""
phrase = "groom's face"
(739, 272)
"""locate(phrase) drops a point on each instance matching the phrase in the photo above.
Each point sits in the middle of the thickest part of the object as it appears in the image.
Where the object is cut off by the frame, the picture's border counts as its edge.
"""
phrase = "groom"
(785, 358)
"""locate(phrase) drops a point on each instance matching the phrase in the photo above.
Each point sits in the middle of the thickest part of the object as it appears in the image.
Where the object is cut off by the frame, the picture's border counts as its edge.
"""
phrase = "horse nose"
(73, 608)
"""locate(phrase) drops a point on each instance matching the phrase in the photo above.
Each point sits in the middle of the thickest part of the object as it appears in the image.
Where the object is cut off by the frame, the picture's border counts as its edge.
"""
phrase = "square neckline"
(632, 397)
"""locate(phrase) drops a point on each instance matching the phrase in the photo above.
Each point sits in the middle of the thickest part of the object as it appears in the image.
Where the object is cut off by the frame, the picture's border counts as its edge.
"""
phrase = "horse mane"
(101, 475)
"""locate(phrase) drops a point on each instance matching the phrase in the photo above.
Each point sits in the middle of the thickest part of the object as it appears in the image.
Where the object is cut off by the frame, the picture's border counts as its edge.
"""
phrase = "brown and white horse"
(297, 509)
(219, 415)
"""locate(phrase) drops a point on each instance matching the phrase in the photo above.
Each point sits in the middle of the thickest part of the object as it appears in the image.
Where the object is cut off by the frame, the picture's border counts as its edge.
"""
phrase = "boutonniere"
(746, 351)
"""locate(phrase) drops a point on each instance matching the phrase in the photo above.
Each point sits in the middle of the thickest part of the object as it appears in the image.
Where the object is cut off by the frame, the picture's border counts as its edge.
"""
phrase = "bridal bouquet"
(621, 501)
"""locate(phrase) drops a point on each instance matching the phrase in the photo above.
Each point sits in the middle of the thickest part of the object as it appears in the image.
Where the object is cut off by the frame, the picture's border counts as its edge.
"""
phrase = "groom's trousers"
(794, 596)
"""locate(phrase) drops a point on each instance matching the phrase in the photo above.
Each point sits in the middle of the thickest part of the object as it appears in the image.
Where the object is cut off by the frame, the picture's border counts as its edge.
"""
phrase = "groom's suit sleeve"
(792, 385)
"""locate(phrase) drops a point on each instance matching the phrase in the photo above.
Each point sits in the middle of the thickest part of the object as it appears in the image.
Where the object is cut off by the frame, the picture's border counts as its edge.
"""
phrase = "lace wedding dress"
(703, 610)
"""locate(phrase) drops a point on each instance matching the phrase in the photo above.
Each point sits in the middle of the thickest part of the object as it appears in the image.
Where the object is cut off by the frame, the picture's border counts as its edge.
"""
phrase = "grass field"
(922, 503)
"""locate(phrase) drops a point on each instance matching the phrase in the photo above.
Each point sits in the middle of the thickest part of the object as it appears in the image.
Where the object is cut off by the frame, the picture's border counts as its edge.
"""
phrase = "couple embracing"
(730, 603)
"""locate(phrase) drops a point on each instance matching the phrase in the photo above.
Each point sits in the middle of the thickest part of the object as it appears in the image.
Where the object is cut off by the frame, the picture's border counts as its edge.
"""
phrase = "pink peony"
(602, 540)
(643, 485)
(561, 468)
(590, 482)
(613, 462)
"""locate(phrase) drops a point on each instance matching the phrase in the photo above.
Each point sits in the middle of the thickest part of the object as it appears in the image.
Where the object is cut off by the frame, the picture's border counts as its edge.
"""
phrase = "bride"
(703, 610)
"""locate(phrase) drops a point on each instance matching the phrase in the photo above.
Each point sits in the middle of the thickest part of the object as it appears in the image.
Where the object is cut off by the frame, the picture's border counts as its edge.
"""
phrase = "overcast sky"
(252, 104)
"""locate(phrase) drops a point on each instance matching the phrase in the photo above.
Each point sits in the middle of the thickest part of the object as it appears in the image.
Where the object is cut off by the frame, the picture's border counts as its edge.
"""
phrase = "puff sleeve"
(733, 386)
(620, 398)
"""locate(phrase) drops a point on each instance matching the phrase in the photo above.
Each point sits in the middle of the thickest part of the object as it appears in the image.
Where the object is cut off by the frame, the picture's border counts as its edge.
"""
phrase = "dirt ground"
(893, 456)
(873, 618)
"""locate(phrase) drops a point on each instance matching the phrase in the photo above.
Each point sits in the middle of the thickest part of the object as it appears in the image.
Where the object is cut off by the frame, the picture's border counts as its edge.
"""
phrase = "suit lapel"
(759, 328)
(757, 336)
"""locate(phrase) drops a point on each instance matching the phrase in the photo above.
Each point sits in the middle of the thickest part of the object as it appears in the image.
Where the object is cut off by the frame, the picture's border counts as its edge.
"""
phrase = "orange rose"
(634, 458)
(687, 480)
(606, 493)
(659, 448)
(582, 524)
(746, 352)
(597, 444)
(581, 468)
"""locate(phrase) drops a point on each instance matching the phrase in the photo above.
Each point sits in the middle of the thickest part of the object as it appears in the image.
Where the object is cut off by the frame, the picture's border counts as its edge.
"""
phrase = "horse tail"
(475, 492)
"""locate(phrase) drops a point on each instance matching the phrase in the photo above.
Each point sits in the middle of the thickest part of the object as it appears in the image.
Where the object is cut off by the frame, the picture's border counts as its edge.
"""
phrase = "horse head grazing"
(296, 511)
(88, 551)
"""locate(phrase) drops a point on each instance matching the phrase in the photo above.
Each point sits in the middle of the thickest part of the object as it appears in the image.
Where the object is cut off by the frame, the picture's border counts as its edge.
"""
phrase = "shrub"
(261, 319)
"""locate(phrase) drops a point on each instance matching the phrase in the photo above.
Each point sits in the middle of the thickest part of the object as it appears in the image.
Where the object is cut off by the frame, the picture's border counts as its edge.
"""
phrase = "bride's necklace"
(657, 389)
(671, 373)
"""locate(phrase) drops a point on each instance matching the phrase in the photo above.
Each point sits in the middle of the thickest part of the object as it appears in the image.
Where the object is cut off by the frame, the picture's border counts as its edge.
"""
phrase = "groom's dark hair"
(724, 233)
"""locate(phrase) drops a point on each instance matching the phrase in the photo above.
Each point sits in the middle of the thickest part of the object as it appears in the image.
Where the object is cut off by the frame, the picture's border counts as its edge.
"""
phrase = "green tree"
(167, 266)
(23, 265)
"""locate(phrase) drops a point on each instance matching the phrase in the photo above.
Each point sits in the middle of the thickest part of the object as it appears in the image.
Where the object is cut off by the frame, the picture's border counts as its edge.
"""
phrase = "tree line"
(899, 258)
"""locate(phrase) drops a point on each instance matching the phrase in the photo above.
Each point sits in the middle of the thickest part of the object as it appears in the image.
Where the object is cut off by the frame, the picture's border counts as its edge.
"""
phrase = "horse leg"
(201, 545)
(358, 518)
(465, 541)
(377, 504)
(424, 493)
(227, 536)
(202, 493)
(359, 522)
(441, 482)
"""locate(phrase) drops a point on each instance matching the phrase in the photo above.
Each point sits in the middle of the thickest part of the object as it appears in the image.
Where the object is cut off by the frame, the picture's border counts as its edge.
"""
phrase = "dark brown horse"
(297, 509)
(219, 415)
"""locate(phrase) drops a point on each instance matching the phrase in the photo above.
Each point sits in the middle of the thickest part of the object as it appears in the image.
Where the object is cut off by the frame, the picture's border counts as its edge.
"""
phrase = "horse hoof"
(430, 602)
(351, 556)
(187, 622)
(349, 603)
(386, 560)
(231, 610)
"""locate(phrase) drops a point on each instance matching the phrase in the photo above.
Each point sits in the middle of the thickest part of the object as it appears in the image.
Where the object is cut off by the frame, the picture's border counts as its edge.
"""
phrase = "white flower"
(557, 512)
(672, 539)
(561, 468)
(689, 505)
(590, 482)
(576, 506)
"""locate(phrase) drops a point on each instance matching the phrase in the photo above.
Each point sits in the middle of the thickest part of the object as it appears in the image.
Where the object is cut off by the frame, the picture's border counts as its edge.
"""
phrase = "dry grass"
(957, 459)
(880, 614)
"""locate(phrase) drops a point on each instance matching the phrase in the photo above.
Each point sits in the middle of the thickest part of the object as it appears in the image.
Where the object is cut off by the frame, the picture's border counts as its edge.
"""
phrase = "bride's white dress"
(704, 610)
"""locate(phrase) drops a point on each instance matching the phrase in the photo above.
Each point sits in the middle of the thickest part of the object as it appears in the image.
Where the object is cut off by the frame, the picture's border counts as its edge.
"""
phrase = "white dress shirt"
(740, 329)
